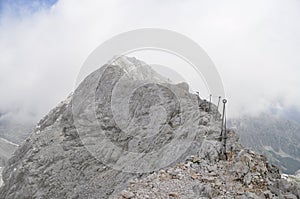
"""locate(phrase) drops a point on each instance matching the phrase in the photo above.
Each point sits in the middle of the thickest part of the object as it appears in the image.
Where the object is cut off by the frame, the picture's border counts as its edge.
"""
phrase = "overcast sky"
(254, 44)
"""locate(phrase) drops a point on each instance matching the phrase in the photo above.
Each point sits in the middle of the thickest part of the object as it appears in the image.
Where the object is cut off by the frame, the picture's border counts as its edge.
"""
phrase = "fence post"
(209, 106)
(223, 129)
(223, 116)
(218, 106)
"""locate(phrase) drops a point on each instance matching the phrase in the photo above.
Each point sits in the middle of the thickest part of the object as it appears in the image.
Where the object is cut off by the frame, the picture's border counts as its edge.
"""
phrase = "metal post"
(198, 98)
(209, 106)
(218, 106)
(223, 116)
(223, 129)
(225, 139)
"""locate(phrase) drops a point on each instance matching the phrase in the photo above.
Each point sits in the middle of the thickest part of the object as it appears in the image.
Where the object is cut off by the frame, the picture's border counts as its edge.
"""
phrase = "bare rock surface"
(58, 160)
(247, 175)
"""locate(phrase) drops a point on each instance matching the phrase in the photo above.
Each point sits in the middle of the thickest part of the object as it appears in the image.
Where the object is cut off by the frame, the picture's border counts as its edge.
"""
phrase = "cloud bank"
(254, 44)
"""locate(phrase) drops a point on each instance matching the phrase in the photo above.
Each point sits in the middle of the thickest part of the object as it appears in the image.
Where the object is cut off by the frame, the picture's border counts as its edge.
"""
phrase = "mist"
(255, 46)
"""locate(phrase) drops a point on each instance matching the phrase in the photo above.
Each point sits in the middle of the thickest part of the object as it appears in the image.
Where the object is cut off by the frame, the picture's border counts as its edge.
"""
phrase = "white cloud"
(254, 44)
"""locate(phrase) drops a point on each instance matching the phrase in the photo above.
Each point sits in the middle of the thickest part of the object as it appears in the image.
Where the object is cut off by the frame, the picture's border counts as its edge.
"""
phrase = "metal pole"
(218, 106)
(209, 103)
(198, 98)
(223, 129)
(225, 139)
(223, 116)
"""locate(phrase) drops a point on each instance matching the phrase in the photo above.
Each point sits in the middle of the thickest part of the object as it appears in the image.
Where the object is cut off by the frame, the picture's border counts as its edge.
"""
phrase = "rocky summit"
(126, 132)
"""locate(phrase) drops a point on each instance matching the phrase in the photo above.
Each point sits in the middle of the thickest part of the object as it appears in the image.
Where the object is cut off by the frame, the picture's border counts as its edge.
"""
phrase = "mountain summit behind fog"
(126, 132)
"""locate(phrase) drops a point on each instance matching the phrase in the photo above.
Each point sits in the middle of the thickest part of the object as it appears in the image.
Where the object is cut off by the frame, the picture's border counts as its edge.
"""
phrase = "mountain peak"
(122, 123)
(137, 69)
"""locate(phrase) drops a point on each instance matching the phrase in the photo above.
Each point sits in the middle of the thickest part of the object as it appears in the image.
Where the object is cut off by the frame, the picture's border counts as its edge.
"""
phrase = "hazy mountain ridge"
(7, 148)
(275, 137)
(15, 131)
(12, 134)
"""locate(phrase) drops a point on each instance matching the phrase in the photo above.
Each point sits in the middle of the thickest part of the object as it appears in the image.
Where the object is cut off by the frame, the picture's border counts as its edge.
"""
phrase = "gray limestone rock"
(123, 119)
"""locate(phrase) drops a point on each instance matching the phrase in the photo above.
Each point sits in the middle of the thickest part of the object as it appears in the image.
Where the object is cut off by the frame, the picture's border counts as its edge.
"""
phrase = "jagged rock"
(247, 179)
(207, 186)
(205, 191)
(210, 150)
(127, 194)
(248, 175)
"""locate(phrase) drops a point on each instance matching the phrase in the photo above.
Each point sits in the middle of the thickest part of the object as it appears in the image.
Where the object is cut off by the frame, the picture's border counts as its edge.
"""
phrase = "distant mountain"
(275, 137)
(6, 150)
(14, 131)
(292, 114)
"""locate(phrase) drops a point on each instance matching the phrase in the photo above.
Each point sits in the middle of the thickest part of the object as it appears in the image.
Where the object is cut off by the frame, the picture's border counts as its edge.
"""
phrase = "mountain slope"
(56, 160)
(245, 176)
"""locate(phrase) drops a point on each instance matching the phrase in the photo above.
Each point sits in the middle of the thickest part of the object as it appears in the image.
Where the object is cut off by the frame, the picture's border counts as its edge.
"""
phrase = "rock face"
(276, 138)
(122, 123)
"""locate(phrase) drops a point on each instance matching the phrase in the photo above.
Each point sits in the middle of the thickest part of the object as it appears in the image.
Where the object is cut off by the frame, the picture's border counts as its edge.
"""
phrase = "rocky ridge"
(246, 176)
(64, 157)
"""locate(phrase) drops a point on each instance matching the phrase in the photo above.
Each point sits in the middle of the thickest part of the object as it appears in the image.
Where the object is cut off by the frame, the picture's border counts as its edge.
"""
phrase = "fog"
(254, 44)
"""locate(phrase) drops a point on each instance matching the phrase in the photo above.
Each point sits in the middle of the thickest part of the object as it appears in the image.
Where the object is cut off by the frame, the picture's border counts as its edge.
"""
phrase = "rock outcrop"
(124, 122)
(247, 175)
